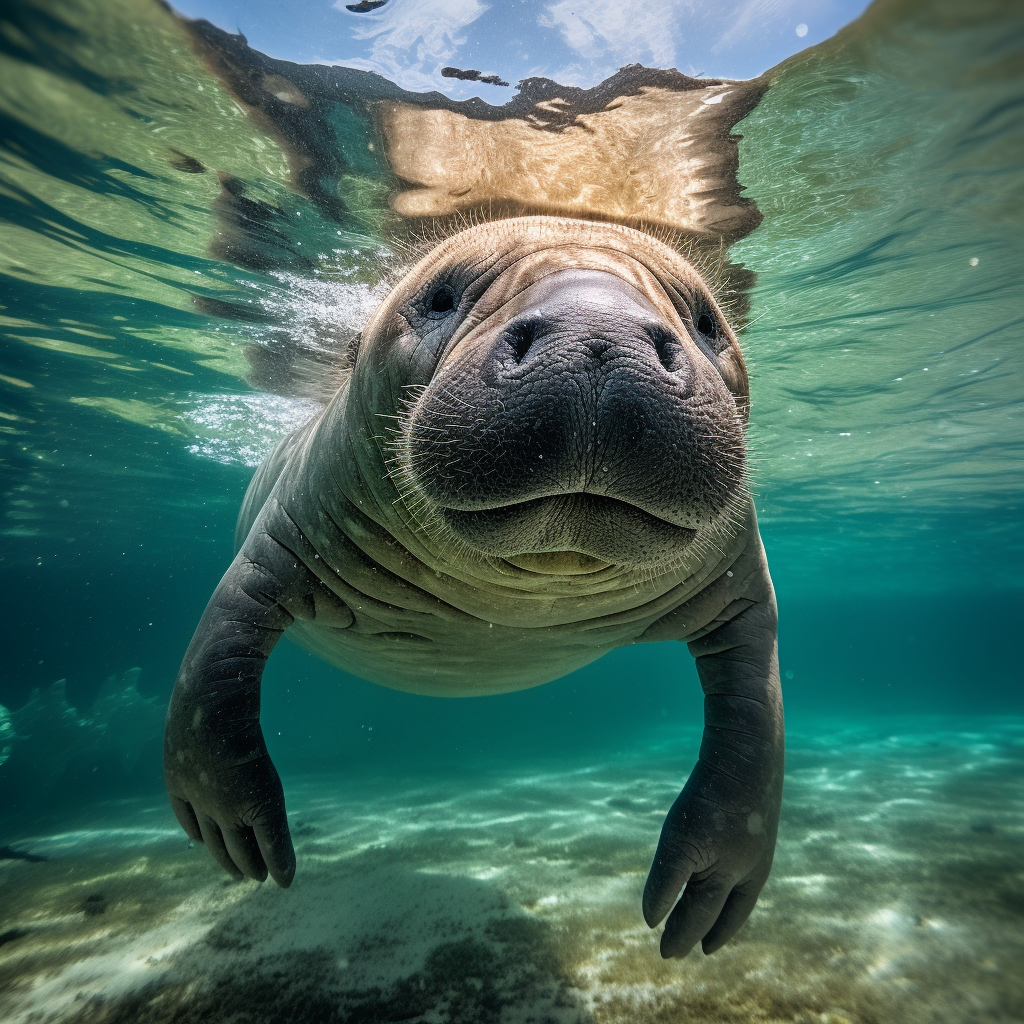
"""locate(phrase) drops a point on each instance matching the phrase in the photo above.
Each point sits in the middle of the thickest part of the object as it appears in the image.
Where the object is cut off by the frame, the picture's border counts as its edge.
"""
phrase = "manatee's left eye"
(442, 301)
(707, 326)
(710, 330)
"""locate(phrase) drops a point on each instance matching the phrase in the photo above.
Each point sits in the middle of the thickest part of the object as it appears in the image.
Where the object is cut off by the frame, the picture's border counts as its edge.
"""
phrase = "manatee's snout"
(579, 418)
(578, 327)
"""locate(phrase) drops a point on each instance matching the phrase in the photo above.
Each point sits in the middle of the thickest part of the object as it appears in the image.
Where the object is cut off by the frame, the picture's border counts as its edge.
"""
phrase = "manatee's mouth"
(558, 563)
(568, 534)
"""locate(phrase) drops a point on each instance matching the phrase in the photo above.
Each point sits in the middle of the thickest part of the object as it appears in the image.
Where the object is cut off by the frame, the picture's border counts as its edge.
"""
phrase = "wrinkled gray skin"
(536, 457)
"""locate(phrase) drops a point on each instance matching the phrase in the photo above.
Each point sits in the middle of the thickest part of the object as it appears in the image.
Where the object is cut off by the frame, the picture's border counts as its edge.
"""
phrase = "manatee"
(534, 453)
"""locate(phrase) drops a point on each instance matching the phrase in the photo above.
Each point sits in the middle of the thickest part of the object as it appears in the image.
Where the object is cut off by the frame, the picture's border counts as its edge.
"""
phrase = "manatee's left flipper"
(223, 787)
(719, 837)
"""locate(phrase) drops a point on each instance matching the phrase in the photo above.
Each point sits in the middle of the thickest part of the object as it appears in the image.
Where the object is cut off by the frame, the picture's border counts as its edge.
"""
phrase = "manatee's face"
(568, 395)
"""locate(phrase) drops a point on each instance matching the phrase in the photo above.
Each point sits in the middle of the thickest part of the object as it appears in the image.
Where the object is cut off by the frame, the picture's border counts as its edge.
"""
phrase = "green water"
(885, 346)
(888, 166)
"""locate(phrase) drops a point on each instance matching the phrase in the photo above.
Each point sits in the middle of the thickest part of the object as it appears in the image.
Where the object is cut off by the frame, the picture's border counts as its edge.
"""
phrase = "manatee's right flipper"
(223, 787)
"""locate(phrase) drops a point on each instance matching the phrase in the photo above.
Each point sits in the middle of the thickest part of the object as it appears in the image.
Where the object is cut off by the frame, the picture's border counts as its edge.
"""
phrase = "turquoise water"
(483, 860)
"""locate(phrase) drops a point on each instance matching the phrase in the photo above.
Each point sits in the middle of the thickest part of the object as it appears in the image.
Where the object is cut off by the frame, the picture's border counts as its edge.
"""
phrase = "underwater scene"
(666, 354)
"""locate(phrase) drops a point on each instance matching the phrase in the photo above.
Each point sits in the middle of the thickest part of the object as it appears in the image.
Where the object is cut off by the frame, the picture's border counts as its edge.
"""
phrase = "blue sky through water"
(575, 42)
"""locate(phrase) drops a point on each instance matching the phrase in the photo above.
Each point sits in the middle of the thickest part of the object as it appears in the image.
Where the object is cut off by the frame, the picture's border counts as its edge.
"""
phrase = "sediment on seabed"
(896, 895)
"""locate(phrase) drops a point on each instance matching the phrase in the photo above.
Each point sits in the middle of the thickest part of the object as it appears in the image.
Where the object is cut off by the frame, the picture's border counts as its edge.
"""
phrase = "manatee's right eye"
(431, 311)
(442, 301)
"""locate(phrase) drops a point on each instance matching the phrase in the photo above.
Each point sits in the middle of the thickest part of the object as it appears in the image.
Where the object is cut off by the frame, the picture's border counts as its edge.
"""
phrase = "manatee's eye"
(707, 326)
(709, 330)
(442, 300)
(430, 313)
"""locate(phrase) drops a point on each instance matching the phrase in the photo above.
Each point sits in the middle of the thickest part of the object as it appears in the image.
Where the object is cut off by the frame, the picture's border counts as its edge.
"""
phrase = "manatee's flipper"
(719, 837)
(223, 787)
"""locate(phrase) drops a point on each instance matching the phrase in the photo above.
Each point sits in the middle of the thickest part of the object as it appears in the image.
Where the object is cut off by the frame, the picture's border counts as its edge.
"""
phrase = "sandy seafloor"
(495, 896)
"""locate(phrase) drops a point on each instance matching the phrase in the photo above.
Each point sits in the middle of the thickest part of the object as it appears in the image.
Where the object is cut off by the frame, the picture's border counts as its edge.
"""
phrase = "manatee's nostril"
(667, 347)
(520, 336)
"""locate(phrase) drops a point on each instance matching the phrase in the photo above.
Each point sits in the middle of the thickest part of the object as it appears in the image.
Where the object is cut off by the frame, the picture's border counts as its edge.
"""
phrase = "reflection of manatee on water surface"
(532, 453)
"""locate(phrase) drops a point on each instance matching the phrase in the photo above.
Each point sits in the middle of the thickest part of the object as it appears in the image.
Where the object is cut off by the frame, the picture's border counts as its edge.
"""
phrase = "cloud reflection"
(413, 39)
(669, 33)
(750, 17)
(627, 33)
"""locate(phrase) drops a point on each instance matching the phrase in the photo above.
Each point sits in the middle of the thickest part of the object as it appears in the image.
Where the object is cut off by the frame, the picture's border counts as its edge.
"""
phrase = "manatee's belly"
(474, 659)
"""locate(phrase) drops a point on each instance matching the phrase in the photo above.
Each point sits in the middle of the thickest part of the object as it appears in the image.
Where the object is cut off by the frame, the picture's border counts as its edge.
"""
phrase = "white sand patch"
(113, 964)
